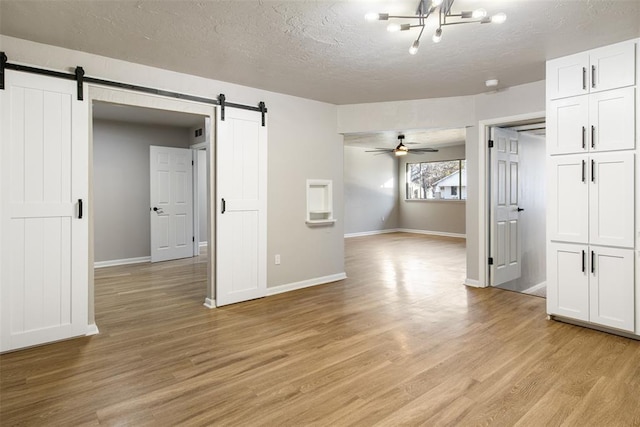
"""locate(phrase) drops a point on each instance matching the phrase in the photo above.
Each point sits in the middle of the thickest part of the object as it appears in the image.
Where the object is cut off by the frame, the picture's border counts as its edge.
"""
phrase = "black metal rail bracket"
(263, 111)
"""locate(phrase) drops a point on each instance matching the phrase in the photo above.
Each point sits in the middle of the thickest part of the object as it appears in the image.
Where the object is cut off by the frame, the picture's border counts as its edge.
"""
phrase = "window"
(437, 180)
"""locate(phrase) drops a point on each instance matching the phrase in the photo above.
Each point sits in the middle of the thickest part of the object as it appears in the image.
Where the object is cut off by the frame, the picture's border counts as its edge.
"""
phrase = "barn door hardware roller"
(263, 110)
(221, 101)
(80, 82)
(3, 64)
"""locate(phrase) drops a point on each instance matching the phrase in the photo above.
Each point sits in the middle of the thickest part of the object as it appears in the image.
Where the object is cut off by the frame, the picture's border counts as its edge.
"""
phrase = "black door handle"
(79, 208)
(224, 206)
(520, 209)
(593, 262)
(583, 260)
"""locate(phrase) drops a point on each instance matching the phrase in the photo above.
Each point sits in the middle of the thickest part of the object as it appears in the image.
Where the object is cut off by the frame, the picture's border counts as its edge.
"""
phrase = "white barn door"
(171, 197)
(506, 228)
(241, 219)
(44, 227)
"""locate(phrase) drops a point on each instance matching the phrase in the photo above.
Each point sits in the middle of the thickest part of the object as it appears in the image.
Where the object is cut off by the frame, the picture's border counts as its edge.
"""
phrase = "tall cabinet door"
(567, 124)
(613, 66)
(611, 199)
(612, 120)
(611, 288)
(568, 280)
(568, 76)
(44, 228)
(568, 208)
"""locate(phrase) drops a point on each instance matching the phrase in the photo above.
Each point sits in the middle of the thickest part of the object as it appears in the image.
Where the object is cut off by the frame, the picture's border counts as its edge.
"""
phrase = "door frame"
(137, 99)
(195, 149)
(484, 202)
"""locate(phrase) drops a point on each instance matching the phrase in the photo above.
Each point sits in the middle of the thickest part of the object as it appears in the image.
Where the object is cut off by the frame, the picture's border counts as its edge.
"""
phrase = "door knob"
(157, 210)
(520, 209)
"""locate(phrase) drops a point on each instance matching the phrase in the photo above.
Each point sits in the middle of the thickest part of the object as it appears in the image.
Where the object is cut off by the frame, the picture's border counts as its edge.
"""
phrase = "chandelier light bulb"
(499, 18)
(414, 47)
(437, 36)
(372, 16)
(392, 28)
(436, 3)
(479, 13)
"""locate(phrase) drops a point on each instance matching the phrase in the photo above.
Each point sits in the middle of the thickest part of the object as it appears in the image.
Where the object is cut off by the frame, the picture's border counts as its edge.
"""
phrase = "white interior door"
(505, 212)
(241, 219)
(44, 228)
(171, 179)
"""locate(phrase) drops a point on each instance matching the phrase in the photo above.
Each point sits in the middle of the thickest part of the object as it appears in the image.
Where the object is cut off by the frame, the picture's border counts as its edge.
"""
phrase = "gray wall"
(431, 215)
(533, 200)
(121, 185)
(368, 197)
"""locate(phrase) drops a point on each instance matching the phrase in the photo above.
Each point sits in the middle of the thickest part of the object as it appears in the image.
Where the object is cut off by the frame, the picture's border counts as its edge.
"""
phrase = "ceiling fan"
(401, 149)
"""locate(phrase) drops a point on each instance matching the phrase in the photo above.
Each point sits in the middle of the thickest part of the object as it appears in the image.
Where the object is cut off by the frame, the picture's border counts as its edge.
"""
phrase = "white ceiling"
(323, 49)
(417, 138)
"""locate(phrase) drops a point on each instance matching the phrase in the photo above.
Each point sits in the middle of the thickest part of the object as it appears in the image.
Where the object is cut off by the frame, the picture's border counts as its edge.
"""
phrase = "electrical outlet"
(277, 259)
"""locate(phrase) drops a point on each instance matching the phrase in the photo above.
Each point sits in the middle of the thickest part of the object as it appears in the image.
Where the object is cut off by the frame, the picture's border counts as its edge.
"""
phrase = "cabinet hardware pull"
(79, 208)
(593, 262)
(593, 136)
(584, 137)
(584, 78)
(224, 206)
(593, 170)
(584, 260)
(584, 171)
(593, 76)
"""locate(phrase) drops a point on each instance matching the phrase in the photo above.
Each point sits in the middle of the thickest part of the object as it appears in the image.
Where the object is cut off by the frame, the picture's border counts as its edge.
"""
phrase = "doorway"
(133, 105)
(531, 124)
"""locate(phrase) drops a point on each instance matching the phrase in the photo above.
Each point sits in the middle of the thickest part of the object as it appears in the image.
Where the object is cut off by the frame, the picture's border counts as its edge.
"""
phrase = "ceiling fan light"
(499, 18)
(414, 47)
(399, 153)
(437, 36)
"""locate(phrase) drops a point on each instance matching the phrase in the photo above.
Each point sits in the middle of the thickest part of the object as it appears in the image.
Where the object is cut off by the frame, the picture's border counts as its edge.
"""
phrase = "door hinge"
(192, 164)
(490, 260)
(193, 238)
(491, 143)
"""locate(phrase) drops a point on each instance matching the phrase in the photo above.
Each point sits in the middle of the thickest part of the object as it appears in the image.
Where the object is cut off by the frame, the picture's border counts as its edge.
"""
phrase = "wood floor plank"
(400, 342)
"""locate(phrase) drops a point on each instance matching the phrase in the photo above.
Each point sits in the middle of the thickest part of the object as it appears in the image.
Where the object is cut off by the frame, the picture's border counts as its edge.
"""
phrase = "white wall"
(121, 185)
(439, 216)
(533, 199)
(202, 195)
(303, 143)
(370, 191)
(452, 112)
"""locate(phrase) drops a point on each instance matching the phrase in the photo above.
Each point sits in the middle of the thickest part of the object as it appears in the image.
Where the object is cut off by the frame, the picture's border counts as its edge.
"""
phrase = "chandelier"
(442, 8)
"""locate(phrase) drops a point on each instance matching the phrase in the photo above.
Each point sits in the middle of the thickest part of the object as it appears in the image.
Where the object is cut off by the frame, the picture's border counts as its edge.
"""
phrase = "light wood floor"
(401, 342)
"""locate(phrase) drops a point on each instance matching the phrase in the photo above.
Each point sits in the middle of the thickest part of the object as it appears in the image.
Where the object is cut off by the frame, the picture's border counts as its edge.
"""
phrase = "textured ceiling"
(416, 138)
(325, 50)
(141, 115)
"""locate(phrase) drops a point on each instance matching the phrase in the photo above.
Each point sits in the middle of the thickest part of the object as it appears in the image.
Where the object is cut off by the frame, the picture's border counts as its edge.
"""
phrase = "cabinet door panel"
(567, 124)
(611, 199)
(612, 288)
(568, 76)
(568, 203)
(613, 67)
(568, 281)
(612, 120)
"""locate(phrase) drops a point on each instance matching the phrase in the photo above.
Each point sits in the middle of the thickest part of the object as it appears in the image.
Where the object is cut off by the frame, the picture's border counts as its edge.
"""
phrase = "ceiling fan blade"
(424, 150)
(380, 150)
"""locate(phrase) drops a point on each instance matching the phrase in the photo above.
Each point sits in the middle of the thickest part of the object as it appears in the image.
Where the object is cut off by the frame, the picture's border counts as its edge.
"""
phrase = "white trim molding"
(125, 261)
(371, 233)
(473, 283)
(535, 288)
(92, 329)
(432, 233)
(306, 283)
(209, 303)
(204, 244)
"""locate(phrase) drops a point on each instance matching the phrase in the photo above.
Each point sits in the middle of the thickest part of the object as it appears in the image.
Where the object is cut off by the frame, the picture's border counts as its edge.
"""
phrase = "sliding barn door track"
(79, 76)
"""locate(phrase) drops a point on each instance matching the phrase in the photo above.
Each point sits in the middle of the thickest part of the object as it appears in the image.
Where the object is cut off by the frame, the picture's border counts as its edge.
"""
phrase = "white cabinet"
(591, 199)
(592, 284)
(603, 121)
(597, 70)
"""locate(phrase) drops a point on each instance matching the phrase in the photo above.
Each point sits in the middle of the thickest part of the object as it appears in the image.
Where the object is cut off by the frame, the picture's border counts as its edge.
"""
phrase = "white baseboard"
(432, 233)
(209, 303)
(473, 283)
(306, 283)
(534, 288)
(204, 244)
(92, 329)
(125, 261)
(371, 233)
